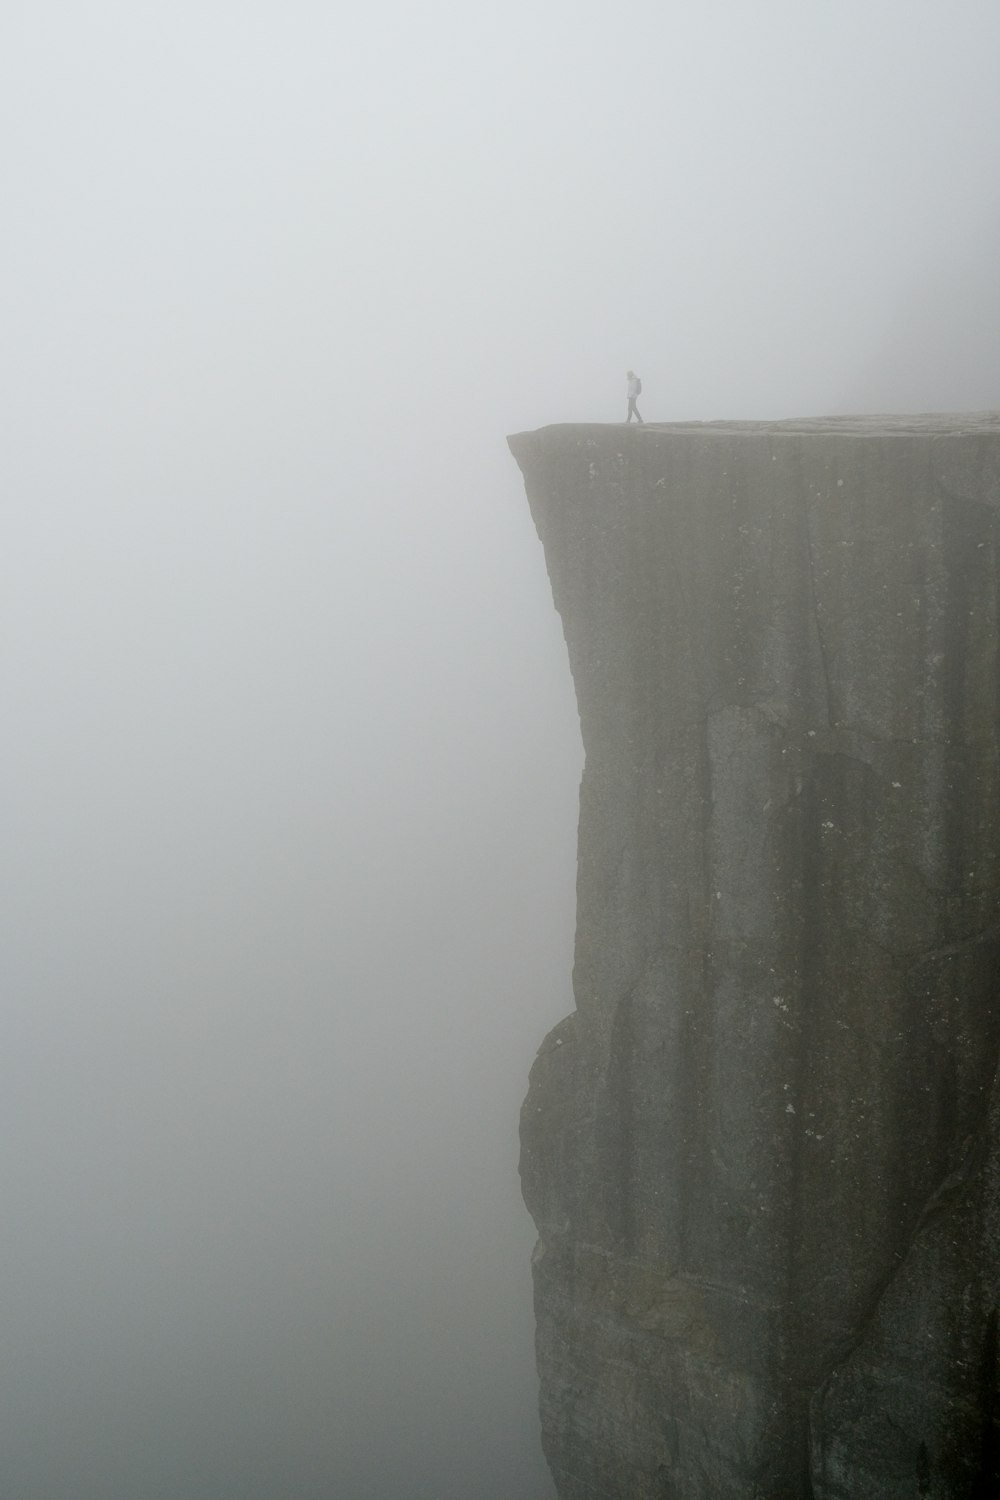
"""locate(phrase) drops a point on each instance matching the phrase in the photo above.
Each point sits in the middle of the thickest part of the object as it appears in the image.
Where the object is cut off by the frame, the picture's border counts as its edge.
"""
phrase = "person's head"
(630, 374)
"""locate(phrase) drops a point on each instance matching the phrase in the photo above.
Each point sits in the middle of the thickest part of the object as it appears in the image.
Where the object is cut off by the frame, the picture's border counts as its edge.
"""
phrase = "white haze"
(290, 750)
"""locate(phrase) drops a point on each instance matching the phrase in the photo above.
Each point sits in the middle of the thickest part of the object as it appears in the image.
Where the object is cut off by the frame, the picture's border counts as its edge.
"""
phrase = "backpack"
(638, 386)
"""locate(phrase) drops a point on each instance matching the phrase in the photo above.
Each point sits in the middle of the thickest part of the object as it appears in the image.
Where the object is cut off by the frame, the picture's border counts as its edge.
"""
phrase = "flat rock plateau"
(763, 1153)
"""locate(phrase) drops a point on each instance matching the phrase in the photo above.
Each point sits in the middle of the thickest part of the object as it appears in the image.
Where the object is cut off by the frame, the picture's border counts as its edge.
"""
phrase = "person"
(633, 390)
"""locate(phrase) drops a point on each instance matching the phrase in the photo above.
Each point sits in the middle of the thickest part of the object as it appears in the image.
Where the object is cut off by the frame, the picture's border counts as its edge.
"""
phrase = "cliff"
(763, 1155)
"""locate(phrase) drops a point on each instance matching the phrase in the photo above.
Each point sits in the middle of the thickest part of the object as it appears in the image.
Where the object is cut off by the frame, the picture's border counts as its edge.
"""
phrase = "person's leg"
(631, 408)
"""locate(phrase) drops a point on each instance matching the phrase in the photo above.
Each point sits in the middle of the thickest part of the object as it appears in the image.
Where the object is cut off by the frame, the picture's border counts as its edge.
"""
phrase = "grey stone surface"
(763, 1153)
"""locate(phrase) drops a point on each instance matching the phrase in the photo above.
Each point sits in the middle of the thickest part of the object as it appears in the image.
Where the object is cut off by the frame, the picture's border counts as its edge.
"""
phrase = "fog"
(291, 752)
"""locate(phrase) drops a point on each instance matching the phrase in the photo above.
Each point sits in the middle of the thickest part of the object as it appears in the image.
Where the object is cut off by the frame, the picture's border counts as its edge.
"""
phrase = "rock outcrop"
(763, 1154)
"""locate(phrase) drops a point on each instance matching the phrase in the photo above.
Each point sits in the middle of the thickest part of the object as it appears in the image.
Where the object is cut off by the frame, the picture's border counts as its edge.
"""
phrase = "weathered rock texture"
(764, 1153)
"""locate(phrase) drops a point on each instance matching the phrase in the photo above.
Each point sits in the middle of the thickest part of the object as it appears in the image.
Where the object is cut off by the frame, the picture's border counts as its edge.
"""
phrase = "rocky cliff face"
(763, 1154)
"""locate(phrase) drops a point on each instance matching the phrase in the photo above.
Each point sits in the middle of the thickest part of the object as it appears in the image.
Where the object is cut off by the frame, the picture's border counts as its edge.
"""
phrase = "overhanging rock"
(762, 1154)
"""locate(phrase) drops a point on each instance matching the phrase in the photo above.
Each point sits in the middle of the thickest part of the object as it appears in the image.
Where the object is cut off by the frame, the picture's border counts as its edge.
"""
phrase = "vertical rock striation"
(762, 1154)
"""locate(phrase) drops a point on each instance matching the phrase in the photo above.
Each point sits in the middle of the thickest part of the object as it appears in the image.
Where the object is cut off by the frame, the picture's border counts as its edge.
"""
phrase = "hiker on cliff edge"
(633, 389)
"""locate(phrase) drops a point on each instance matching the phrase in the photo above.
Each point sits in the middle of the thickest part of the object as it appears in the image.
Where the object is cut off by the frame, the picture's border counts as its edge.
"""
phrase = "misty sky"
(290, 751)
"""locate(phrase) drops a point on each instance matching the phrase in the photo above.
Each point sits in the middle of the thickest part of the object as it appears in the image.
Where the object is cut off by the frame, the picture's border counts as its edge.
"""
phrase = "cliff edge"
(763, 1154)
